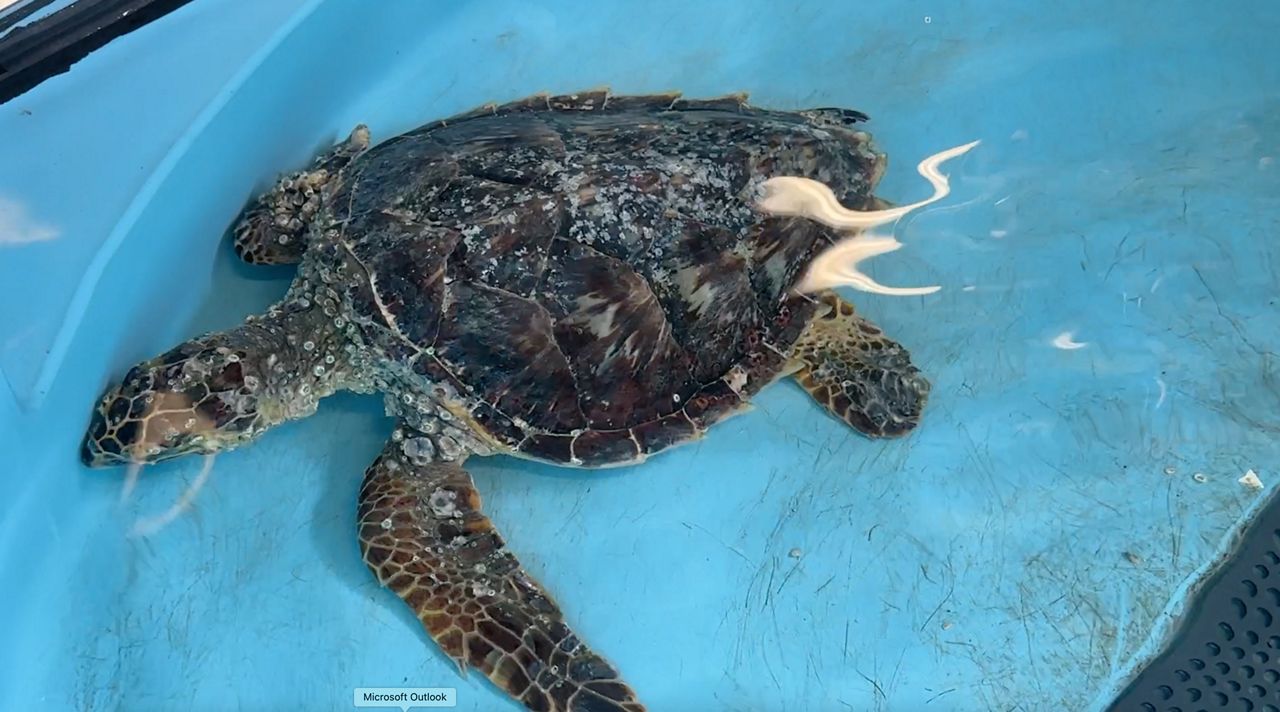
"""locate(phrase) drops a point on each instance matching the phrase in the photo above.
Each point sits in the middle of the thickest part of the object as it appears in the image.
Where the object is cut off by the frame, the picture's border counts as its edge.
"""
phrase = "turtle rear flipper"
(273, 229)
(864, 378)
(423, 535)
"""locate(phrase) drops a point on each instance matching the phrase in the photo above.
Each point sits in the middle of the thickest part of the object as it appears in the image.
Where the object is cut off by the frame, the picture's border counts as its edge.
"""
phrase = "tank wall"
(920, 558)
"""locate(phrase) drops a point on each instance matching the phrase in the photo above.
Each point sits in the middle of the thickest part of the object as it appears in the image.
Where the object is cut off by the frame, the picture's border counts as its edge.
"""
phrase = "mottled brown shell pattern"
(588, 272)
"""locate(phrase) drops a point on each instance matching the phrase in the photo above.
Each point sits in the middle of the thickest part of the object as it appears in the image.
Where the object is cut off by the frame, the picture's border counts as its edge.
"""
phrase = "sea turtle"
(583, 280)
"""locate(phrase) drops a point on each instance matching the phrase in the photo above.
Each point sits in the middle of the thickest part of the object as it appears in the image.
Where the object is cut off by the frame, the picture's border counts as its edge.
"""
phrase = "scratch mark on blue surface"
(845, 657)
(1122, 625)
(645, 513)
(769, 667)
(940, 694)
(768, 589)
(1026, 632)
(1235, 323)
(879, 693)
(938, 607)
(572, 516)
(786, 578)
(718, 540)
(813, 669)
(1118, 257)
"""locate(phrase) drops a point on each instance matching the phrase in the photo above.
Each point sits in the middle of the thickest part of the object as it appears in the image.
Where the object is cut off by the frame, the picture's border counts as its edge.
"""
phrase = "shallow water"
(1105, 332)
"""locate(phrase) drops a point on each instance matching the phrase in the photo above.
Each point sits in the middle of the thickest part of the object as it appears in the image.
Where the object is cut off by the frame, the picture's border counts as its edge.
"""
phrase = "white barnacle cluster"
(444, 503)
(419, 450)
(438, 437)
(195, 370)
(448, 446)
(838, 265)
(294, 202)
(306, 357)
(573, 190)
(472, 236)
(363, 372)
(716, 178)
(691, 192)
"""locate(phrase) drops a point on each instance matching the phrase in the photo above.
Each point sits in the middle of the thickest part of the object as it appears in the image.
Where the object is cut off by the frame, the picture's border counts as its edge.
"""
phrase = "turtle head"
(201, 397)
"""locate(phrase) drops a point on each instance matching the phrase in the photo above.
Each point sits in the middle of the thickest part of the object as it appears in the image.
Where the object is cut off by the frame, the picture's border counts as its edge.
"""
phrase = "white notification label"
(406, 698)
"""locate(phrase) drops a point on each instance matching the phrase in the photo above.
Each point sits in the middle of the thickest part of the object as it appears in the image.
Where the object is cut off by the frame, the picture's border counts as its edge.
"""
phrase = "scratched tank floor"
(1102, 353)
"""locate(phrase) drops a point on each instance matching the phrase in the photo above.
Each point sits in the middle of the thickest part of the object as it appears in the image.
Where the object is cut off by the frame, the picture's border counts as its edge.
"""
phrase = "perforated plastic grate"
(1227, 654)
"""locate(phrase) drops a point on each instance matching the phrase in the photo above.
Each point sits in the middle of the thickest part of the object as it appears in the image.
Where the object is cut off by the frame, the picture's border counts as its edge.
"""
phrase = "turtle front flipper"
(273, 229)
(423, 535)
(860, 375)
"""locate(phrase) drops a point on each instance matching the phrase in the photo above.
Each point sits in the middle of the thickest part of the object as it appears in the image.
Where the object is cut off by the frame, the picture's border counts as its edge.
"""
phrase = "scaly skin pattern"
(863, 377)
(423, 535)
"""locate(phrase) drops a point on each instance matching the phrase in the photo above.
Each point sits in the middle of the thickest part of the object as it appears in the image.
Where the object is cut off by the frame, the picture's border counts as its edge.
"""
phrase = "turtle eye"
(230, 378)
(118, 410)
(217, 411)
(138, 379)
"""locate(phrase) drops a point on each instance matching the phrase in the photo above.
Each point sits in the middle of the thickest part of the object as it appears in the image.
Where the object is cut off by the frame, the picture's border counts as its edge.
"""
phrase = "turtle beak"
(149, 419)
(97, 450)
(89, 454)
(122, 429)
